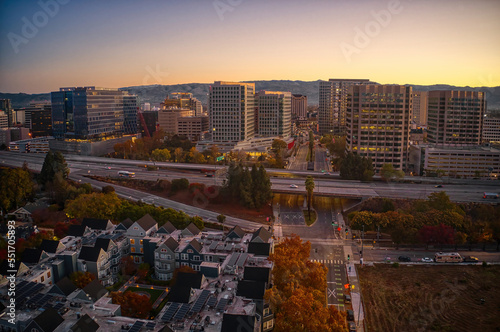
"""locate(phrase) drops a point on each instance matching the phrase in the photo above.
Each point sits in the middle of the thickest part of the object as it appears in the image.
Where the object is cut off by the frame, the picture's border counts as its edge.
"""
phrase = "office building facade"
(491, 129)
(333, 104)
(378, 123)
(455, 117)
(183, 100)
(231, 111)
(91, 113)
(6, 107)
(419, 108)
(41, 122)
(299, 106)
(275, 113)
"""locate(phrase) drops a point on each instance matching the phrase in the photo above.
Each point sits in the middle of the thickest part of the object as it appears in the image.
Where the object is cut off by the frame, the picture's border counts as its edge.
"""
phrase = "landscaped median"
(310, 218)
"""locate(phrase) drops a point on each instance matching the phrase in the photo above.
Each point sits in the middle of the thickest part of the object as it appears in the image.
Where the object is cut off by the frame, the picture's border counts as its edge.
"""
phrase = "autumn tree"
(95, 205)
(81, 279)
(132, 304)
(161, 155)
(127, 265)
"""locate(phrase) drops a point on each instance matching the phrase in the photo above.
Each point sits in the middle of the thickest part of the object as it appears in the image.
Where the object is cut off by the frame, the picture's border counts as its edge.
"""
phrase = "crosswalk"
(328, 261)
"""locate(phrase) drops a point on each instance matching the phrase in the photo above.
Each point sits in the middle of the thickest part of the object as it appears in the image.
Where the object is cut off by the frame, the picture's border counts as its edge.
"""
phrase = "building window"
(132, 241)
(132, 249)
(196, 258)
(142, 251)
(48, 274)
(43, 278)
(141, 242)
(190, 251)
(156, 255)
(184, 257)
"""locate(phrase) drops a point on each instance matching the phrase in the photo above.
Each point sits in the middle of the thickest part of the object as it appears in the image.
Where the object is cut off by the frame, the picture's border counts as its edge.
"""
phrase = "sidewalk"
(352, 277)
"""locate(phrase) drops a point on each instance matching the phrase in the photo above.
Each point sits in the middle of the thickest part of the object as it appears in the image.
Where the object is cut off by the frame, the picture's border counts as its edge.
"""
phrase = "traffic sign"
(219, 158)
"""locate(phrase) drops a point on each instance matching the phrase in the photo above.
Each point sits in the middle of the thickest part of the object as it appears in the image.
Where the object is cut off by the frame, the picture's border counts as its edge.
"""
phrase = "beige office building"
(275, 113)
(491, 129)
(464, 162)
(183, 100)
(231, 108)
(192, 126)
(333, 104)
(168, 118)
(420, 108)
(378, 123)
(299, 107)
(455, 117)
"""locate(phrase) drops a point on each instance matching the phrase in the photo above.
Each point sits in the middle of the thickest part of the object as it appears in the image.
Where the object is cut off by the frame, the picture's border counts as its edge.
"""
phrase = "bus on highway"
(490, 195)
(448, 257)
(126, 174)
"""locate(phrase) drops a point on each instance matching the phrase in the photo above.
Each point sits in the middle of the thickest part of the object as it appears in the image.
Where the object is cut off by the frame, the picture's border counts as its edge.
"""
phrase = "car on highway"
(471, 259)
(347, 298)
(352, 327)
(426, 260)
(293, 186)
(350, 315)
(404, 259)
(439, 186)
(108, 167)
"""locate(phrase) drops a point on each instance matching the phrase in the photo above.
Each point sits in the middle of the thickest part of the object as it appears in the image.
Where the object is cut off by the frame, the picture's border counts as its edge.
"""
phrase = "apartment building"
(332, 110)
(378, 123)
(455, 117)
(275, 113)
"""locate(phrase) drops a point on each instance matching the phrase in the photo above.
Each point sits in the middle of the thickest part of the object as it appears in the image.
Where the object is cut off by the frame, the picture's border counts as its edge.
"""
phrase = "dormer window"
(189, 251)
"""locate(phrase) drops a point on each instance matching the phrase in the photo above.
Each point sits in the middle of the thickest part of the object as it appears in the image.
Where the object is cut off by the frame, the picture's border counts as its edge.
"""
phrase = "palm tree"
(310, 190)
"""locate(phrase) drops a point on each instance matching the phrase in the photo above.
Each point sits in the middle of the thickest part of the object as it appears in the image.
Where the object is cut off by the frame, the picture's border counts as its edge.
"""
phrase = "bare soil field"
(431, 298)
(216, 204)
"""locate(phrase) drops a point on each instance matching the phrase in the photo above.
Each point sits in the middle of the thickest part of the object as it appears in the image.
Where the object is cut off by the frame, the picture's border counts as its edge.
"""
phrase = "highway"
(325, 184)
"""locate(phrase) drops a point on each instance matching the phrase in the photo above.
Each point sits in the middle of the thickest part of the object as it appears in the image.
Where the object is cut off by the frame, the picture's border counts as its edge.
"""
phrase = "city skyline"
(56, 43)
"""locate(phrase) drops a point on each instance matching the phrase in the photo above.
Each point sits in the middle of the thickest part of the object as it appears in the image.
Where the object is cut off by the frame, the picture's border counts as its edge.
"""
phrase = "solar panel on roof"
(222, 304)
(137, 326)
(35, 298)
(200, 302)
(47, 305)
(167, 316)
(212, 301)
(233, 259)
(182, 312)
(242, 259)
(58, 306)
(151, 325)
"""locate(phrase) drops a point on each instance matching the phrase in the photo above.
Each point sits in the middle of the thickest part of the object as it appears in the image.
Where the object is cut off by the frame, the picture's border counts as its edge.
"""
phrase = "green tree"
(53, 163)
(95, 205)
(311, 146)
(245, 191)
(16, 186)
(387, 172)
(178, 155)
(310, 190)
(161, 155)
(179, 184)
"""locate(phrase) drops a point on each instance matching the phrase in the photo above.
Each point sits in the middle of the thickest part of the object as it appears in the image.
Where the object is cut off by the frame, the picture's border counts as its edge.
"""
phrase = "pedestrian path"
(328, 261)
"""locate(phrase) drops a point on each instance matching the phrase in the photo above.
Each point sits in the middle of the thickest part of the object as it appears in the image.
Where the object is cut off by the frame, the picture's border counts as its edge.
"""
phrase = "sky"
(48, 44)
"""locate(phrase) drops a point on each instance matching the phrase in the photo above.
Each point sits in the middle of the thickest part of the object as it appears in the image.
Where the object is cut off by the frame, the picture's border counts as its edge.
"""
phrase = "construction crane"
(143, 122)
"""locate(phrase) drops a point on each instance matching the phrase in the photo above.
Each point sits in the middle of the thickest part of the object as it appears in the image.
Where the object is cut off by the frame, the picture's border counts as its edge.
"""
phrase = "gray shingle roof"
(146, 222)
(90, 254)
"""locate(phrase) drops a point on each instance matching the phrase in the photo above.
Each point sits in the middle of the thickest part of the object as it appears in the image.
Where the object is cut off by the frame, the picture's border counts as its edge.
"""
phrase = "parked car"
(427, 260)
(347, 298)
(438, 186)
(404, 259)
(293, 186)
(352, 327)
(471, 259)
(350, 315)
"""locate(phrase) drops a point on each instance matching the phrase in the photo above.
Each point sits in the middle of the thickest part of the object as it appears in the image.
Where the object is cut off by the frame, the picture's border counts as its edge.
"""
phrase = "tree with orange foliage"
(132, 304)
(298, 293)
(128, 266)
(81, 279)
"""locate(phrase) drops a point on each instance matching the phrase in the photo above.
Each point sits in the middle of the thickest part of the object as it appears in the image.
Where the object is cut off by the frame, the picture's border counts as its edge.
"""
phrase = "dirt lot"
(431, 298)
(216, 205)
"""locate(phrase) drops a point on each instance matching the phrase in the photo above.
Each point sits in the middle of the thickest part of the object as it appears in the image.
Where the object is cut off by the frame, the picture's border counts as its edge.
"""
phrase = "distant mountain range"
(155, 94)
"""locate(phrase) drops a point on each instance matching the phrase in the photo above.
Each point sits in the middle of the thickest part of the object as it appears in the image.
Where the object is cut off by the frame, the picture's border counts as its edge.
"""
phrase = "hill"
(155, 94)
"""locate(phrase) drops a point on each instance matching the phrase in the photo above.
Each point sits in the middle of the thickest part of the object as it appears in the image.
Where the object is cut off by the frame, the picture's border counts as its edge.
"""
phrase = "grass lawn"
(309, 221)
(431, 298)
(155, 293)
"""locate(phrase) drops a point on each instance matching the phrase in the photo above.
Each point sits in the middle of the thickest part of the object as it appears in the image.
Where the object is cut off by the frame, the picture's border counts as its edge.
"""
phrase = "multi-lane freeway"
(325, 184)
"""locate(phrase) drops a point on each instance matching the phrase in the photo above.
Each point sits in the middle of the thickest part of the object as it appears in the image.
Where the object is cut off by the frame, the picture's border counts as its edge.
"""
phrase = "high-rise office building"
(183, 100)
(90, 112)
(333, 104)
(168, 118)
(6, 106)
(378, 123)
(4, 120)
(455, 117)
(275, 113)
(41, 121)
(420, 108)
(299, 107)
(231, 111)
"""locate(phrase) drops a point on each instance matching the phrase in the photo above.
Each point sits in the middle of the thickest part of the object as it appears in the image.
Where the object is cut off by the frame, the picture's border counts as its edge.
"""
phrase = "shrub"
(108, 189)
(194, 186)
(395, 265)
(179, 184)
